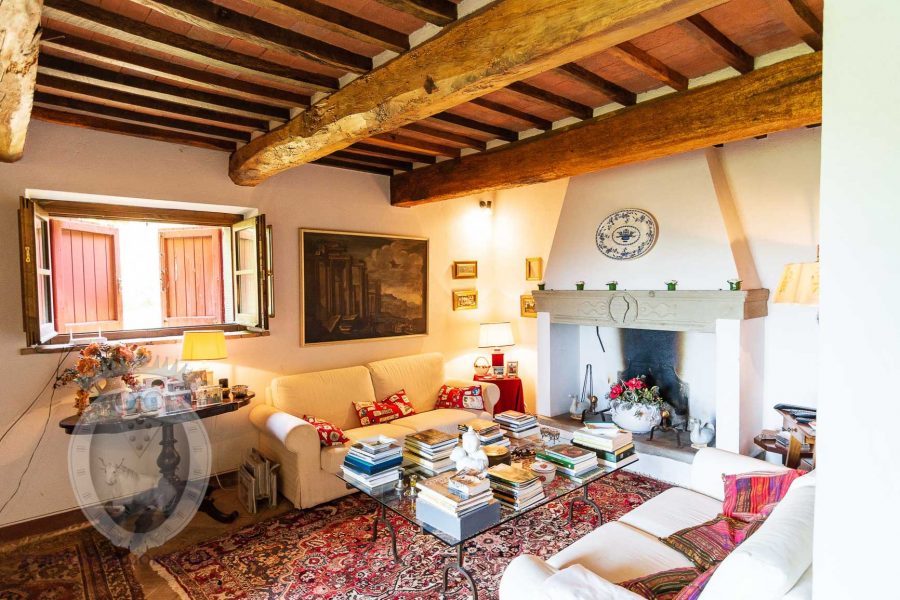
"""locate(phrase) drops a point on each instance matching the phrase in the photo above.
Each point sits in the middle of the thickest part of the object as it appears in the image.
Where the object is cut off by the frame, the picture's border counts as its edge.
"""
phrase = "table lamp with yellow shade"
(201, 345)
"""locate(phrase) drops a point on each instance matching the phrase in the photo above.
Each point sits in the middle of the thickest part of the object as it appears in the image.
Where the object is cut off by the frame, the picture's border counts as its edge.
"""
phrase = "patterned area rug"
(325, 552)
(78, 565)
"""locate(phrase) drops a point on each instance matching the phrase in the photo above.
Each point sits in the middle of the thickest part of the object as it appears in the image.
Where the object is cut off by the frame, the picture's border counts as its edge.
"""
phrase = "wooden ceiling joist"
(405, 142)
(220, 20)
(467, 123)
(377, 161)
(112, 126)
(649, 65)
(533, 120)
(406, 155)
(314, 13)
(455, 138)
(461, 63)
(76, 71)
(801, 20)
(57, 101)
(171, 71)
(705, 32)
(20, 35)
(343, 164)
(91, 18)
(783, 96)
(615, 92)
(582, 111)
(68, 87)
(438, 12)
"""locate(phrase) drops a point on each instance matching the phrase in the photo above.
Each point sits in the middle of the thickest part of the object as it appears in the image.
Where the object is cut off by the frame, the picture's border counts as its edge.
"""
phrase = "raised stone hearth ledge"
(688, 310)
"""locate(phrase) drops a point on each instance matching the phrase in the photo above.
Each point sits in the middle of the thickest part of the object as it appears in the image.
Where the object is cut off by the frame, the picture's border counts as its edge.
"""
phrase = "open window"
(134, 273)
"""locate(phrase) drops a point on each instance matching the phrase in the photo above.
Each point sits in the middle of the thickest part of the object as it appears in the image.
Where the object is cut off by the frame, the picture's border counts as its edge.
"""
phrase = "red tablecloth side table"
(512, 396)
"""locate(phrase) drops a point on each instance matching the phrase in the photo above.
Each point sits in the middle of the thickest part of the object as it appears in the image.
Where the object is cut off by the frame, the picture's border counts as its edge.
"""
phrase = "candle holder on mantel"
(612, 285)
(542, 285)
(579, 285)
(734, 285)
(671, 285)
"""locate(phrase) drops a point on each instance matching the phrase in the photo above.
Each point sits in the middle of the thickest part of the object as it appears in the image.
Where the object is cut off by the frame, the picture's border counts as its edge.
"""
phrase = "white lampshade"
(799, 284)
(495, 335)
(203, 345)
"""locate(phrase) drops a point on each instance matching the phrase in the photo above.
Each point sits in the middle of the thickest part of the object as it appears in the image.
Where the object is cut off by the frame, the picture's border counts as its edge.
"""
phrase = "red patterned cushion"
(453, 397)
(693, 589)
(329, 434)
(393, 407)
(709, 543)
(664, 585)
(747, 494)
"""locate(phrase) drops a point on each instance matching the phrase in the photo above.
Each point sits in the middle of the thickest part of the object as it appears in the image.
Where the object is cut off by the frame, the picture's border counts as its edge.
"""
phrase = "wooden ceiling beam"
(800, 19)
(112, 55)
(456, 138)
(343, 164)
(613, 91)
(112, 126)
(638, 59)
(395, 139)
(500, 132)
(76, 71)
(504, 42)
(782, 96)
(314, 13)
(718, 43)
(92, 18)
(367, 159)
(533, 120)
(371, 149)
(582, 111)
(137, 102)
(438, 12)
(220, 20)
(20, 36)
(57, 101)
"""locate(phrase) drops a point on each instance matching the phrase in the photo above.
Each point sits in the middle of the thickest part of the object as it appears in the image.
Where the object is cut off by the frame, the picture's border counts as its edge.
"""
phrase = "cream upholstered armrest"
(295, 434)
(711, 463)
(523, 577)
(489, 390)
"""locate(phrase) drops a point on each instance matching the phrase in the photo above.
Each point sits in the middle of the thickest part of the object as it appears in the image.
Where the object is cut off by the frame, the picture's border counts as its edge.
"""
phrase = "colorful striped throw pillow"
(747, 494)
(664, 585)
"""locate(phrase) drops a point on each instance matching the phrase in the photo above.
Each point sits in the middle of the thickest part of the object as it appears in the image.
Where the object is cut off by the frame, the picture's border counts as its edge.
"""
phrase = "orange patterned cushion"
(393, 407)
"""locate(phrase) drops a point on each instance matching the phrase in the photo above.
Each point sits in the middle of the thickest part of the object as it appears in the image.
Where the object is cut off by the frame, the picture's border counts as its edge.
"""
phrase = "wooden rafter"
(782, 96)
(343, 164)
(455, 138)
(649, 65)
(368, 159)
(467, 123)
(312, 12)
(604, 86)
(405, 142)
(531, 36)
(170, 71)
(438, 12)
(582, 111)
(374, 150)
(801, 20)
(515, 113)
(112, 126)
(223, 21)
(69, 69)
(92, 18)
(705, 32)
(20, 35)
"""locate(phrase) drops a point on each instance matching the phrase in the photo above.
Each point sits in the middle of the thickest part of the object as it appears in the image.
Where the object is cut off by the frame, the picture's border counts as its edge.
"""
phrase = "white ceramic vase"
(640, 418)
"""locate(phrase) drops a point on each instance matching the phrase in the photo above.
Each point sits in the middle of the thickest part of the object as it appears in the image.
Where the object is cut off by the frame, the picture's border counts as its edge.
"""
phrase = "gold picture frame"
(465, 299)
(534, 269)
(465, 269)
(527, 307)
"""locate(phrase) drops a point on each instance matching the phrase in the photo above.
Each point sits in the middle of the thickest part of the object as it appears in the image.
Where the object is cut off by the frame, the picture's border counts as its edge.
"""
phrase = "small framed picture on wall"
(534, 269)
(465, 299)
(527, 307)
(465, 269)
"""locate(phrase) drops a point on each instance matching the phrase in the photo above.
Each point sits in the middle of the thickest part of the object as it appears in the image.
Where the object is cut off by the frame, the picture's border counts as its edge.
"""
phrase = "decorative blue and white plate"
(626, 234)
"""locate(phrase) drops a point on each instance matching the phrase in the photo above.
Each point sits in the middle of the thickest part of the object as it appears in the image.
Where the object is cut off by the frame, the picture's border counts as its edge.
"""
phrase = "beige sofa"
(774, 563)
(307, 475)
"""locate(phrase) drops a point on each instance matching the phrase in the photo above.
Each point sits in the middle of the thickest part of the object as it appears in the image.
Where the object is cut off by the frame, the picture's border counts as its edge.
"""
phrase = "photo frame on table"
(208, 395)
(465, 299)
(512, 368)
(527, 306)
(465, 269)
(498, 371)
(534, 269)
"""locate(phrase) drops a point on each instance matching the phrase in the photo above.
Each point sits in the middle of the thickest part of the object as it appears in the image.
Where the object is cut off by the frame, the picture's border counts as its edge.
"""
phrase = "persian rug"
(326, 552)
(75, 565)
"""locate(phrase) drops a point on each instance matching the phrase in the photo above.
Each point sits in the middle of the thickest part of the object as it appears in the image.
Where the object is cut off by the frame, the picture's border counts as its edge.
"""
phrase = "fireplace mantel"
(688, 310)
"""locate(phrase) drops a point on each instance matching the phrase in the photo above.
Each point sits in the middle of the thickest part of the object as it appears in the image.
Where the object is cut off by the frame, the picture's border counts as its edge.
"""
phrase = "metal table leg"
(460, 568)
(381, 517)
(586, 500)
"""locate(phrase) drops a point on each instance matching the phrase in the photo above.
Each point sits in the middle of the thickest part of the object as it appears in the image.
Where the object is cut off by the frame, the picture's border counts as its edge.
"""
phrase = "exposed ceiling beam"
(801, 20)
(515, 113)
(368, 159)
(92, 18)
(438, 12)
(69, 87)
(314, 13)
(169, 70)
(504, 42)
(467, 123)
(20, 36)
(56, 101)
(76, 71)
(718, 43)
(112, 126)
(343, 164)
(604, 86)
(363, 148)
(649, 65)
(223, 21)
(782, 96)
(456, 138)
(582, 111)
(405, 142)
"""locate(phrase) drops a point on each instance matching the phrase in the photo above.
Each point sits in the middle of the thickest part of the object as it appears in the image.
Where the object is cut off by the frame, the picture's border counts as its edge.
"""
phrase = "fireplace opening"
(656, 355)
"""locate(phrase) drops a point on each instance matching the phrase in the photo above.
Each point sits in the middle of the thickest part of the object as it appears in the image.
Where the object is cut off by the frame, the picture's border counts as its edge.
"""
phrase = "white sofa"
(774, 563)
(307, 474)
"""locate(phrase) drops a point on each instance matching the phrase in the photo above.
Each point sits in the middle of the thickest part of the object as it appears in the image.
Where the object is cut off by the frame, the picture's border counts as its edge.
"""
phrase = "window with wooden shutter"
(37, 272)
(251, 273)
(191, 276)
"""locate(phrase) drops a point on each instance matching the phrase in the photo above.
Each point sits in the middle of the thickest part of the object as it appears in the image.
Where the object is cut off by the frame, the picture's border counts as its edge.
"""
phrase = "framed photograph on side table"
(512, 368)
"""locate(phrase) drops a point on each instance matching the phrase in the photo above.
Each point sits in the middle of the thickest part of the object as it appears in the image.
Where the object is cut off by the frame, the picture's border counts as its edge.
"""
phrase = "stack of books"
(514, 487)
(489, 433)
(429, 451)
(373, 463)
(578, 464)
(517, 425)
(460, 504)
(613, 446)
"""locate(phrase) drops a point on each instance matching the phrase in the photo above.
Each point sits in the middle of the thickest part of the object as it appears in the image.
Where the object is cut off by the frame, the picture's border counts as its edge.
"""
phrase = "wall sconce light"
(487, 206)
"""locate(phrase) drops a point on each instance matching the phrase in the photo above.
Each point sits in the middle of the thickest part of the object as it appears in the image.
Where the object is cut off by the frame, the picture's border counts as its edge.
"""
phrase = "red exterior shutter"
(191, 276)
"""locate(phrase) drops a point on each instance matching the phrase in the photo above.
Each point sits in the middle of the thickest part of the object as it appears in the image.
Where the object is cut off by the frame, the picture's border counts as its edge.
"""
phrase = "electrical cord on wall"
(36, 398)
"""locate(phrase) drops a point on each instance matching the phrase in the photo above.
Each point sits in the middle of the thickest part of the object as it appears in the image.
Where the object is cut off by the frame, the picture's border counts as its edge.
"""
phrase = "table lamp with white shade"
(496, 336)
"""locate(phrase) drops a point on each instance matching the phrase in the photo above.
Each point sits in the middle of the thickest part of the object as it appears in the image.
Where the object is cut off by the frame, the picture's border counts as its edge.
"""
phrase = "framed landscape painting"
(361, 286)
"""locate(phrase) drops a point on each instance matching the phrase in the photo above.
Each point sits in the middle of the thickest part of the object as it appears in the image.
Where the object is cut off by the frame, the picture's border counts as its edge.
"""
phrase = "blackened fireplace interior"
(656, 355)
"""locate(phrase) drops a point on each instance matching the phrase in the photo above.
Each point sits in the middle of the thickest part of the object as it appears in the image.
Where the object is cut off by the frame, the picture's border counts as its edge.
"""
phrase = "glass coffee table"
(389, 498)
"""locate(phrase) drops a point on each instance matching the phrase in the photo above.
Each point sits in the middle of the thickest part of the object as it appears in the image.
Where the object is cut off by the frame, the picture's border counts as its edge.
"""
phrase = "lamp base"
(497, 361)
